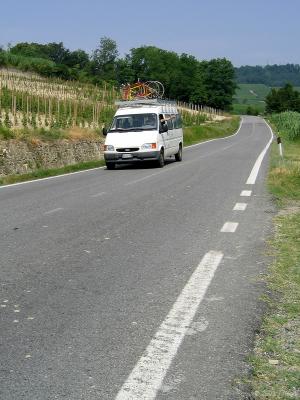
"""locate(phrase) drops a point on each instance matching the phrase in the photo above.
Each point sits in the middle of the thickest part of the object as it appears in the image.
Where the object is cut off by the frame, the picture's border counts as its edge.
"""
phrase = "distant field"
(252, 92)
(243, 108)
(253, 95)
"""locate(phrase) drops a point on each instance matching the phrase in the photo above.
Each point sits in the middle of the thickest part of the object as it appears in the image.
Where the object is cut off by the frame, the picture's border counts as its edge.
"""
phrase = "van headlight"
(147, 146)
(108, 147)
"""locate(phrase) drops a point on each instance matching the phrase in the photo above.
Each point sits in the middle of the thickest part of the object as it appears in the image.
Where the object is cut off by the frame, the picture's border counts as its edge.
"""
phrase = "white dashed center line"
(98, 194)
(141, 179)
(53, 211)
(229, 227)
(246, 193)
(240, 207)
(147, 376)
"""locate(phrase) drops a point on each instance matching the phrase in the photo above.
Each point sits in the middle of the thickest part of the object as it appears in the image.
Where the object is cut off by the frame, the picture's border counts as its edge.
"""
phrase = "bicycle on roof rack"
(143, 90)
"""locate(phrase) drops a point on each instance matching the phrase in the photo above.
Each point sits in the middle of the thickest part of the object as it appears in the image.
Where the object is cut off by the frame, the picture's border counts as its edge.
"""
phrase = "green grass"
(240, 109)
(288, 124)
(252, 92)
(48, 135)
(44, 173)
(248, 94)
(276, 359)
(253, 95)
(284, 176)
(211, 130)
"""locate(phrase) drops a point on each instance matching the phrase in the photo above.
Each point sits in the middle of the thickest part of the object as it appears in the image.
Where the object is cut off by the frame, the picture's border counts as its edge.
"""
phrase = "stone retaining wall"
(20, 157)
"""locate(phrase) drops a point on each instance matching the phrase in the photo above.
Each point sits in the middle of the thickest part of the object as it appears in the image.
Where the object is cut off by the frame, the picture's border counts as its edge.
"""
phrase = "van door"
(164, 136)
(172, 148)
(178, 131)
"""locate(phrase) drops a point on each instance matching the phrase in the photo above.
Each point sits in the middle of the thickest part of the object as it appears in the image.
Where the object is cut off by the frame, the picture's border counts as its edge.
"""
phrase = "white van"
(143, 130)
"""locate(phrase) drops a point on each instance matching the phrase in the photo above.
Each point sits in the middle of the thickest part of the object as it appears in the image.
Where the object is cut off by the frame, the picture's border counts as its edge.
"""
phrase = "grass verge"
(210, 130)
(44, 173)
(50, 134)
(276, 359)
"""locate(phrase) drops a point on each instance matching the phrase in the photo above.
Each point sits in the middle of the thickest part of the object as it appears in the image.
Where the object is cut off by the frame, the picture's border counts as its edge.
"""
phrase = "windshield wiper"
(130, 129)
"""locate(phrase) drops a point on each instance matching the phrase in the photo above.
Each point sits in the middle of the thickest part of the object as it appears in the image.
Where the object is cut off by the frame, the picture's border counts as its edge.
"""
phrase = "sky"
(246, 32)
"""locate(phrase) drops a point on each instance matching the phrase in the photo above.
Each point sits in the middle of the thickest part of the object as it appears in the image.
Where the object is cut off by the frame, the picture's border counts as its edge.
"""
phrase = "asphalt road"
(126, 284)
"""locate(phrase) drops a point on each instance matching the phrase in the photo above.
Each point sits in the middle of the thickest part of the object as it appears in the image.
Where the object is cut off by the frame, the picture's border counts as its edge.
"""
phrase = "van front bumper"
(131, 157)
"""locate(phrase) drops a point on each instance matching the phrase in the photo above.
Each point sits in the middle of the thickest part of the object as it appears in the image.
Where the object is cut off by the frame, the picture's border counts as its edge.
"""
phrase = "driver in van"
(150, 121)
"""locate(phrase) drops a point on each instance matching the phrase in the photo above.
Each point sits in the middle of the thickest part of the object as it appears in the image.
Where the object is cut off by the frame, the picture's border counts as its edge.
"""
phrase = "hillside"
(184, 77)
(29, 102)
(270, 75)
(251, 95)
(48, 108)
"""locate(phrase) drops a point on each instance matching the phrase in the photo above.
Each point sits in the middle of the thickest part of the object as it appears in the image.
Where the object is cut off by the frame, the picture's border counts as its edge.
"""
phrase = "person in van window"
(162, 120)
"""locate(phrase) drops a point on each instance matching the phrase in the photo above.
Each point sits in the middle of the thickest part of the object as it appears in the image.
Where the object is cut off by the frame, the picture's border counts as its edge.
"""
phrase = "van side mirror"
(163, 128)
(104, 131)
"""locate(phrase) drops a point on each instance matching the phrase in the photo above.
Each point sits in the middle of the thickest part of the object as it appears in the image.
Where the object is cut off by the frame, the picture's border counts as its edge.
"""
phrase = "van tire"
(110, 165)
(161, 160)
(178, 156)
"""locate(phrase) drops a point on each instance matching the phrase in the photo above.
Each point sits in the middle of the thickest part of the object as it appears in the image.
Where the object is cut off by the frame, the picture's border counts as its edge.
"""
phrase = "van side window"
(175, 121)
(179, 121)
(169, 121)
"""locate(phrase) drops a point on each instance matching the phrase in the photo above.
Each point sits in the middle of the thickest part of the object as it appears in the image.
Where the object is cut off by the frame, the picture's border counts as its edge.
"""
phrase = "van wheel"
(178, 156)
(161, 160)
(110, 165)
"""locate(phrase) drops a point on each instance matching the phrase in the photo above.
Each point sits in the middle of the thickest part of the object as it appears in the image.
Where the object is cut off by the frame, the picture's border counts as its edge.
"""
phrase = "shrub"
(288, 123)
(5, 133)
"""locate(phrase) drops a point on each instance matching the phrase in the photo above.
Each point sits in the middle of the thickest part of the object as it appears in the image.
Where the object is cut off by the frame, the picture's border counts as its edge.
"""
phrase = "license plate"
(126, 155)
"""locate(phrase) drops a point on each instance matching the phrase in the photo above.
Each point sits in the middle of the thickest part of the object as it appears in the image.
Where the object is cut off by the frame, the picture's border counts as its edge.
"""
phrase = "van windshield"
(134, 122)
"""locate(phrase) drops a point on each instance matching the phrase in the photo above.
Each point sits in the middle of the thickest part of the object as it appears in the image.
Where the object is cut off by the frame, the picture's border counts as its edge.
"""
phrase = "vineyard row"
(21, 109)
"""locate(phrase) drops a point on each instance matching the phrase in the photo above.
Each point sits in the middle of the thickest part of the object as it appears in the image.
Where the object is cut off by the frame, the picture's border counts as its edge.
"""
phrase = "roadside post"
(280, 146)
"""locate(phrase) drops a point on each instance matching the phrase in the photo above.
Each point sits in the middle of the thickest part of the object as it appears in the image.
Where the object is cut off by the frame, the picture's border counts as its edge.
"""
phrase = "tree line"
(283, 99)
(185, 78)
(270, 75)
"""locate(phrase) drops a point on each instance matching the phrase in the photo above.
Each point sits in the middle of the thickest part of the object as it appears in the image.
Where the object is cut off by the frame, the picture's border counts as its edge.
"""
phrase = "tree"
(184, 78)
(57, 52)
(124, 71)
(151, 63)
(252, 111)
(283, 99)
(218, 75)
(77, 59)
(34, 50)
(270, 75)
(104, 59)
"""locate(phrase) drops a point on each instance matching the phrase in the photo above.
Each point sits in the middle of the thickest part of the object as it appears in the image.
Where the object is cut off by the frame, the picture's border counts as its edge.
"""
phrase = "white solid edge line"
(254, 173)
(212, 140)
(49, 177)
(147, 376)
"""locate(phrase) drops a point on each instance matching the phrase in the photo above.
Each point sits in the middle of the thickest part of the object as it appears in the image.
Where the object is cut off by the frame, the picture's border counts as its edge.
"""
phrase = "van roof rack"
(146, 102)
